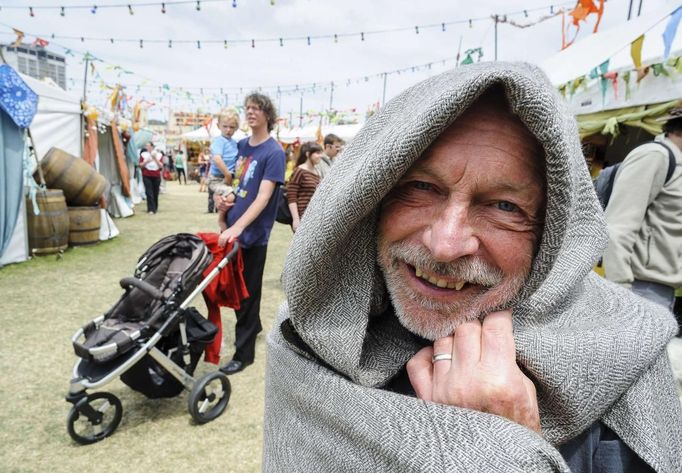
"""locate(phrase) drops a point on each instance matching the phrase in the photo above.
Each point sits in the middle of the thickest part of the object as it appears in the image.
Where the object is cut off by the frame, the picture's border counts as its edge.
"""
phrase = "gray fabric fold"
(594, 350)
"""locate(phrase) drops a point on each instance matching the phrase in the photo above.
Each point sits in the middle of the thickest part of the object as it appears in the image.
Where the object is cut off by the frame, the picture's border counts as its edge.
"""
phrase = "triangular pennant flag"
(670, 31)
(626, 79)
(20, 36)
(636, 51)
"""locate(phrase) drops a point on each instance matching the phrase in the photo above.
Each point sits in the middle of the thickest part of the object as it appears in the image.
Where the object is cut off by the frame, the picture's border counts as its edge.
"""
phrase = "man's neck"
(676, 139)
(258, 136)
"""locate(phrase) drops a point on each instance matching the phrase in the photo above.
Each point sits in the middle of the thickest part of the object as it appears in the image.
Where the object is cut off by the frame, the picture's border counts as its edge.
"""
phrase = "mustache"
(467, 268)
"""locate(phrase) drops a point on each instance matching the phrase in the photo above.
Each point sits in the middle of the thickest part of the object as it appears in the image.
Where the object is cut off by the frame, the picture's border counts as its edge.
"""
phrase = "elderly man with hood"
(451, 321)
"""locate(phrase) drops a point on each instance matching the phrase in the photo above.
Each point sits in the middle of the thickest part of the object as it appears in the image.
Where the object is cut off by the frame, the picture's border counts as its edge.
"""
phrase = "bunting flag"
(613, 78)
(636, 51)
(670, 31)
(582, 10)
(20, 36)
(40, 42)
(626, 79)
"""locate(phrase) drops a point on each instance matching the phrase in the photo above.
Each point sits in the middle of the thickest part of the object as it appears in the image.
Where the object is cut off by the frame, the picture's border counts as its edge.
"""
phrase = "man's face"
(255, 116)
(333, 149)
(457, 234)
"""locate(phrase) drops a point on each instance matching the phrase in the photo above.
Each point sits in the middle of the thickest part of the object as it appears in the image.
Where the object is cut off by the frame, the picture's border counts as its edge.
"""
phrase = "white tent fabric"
(612, 44)
(651, 90)
(17, 248)
(58, 121)
(309, 132)
(201, 134)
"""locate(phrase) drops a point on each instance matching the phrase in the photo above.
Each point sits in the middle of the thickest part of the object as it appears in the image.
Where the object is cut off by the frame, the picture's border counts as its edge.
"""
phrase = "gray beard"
(432, 319)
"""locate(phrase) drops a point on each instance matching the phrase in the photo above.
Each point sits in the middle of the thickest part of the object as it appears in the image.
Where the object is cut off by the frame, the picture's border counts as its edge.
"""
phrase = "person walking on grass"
(180, 166)
(151, 166)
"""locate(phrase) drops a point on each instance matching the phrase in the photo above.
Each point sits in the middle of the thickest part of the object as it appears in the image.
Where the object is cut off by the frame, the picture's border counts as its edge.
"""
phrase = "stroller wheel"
(209, 397)
(94, 417)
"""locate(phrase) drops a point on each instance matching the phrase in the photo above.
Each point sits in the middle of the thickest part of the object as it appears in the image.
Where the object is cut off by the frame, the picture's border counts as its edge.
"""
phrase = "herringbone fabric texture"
(594, 350)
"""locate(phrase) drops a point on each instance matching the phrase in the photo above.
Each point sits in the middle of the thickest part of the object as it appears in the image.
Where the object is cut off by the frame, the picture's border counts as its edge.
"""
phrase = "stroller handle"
(144, 286)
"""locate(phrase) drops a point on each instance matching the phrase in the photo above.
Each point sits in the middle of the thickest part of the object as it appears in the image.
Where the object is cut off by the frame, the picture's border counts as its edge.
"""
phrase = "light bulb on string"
(471, 24)
(416, 30)
(198, 7)
(281, 42)
(253, 43)
(93, 10)
(442, 27)
(362, 36)
(130, 10)
(30, 11)
(141, 44)
(551, 9)
(163, 8)
(234, 3)
(225, 44)
(82, 39)
(525, 13)
(198, 44)
(170, 43)
(112, 40)
(336, 38)
(62, 11)
(308, 40)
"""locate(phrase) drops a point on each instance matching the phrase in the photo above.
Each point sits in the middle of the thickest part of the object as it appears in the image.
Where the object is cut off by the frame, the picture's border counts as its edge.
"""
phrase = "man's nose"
(451, 234)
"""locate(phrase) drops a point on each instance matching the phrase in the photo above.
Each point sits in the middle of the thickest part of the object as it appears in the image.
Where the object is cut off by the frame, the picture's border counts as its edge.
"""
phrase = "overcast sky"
(355, 66)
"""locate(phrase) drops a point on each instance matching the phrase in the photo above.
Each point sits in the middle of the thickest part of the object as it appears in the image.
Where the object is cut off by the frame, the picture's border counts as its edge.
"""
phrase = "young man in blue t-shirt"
(223, 155)
(258, 172)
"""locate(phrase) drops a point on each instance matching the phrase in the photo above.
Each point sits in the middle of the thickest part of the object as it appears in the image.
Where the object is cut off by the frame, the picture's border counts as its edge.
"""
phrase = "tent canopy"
(58, 121)
(613, 45)
(201, 134)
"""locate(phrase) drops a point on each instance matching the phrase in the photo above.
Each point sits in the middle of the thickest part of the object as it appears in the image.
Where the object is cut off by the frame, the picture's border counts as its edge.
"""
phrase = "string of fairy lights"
(211, 96)
(281, 41)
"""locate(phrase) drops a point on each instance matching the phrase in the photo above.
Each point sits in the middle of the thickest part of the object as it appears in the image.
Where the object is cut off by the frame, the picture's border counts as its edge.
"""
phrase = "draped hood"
(594, 350)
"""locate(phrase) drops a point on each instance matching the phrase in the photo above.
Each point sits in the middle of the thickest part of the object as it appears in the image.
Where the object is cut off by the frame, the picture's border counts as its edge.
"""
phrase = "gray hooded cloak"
(594, 351)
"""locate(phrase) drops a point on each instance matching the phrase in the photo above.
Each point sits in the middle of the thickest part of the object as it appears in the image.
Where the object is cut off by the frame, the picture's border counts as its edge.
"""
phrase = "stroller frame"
(201, 394)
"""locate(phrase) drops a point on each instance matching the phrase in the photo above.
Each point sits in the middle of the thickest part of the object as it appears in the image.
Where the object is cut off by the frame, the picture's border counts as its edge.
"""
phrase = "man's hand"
(482, 374)
(229, 236)
(223, 203)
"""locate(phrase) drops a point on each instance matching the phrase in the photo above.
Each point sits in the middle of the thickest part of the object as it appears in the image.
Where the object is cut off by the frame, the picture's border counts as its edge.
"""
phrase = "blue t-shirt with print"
(227, 148)
(255, 164)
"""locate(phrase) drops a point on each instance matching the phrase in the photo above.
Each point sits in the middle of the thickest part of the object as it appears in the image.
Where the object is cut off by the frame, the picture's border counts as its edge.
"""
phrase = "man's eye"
(422, 186)
(506, 206)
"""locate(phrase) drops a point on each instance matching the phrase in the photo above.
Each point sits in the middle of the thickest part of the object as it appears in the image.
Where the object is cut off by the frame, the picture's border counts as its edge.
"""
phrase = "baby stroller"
(151, 339)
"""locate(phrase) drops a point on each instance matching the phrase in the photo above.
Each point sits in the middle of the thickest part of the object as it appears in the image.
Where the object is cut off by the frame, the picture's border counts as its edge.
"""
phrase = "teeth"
(439, 282)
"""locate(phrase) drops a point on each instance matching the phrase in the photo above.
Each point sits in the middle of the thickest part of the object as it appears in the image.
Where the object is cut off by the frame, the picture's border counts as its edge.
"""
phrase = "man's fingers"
(467, 344)
(442, 346)
(420, 372)
(497, 339)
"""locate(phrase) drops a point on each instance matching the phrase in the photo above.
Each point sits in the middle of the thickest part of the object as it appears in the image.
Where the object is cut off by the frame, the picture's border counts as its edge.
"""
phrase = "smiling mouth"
(438, 281)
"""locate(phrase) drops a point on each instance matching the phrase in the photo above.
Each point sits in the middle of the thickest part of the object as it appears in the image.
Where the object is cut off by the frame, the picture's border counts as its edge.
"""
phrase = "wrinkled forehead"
(489, 124)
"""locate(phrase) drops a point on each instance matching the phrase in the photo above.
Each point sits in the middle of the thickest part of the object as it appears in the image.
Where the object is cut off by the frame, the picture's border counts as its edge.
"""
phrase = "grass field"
(45, 300)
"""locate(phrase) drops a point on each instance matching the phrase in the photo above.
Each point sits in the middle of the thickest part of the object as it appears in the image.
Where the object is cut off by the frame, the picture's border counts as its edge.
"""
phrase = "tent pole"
(383, 96)
(495, 18)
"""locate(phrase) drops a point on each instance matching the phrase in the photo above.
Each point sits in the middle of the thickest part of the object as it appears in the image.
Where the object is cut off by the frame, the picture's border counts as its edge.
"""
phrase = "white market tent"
(201, 134)
(58, 121)
(614, 45)
(310, 132)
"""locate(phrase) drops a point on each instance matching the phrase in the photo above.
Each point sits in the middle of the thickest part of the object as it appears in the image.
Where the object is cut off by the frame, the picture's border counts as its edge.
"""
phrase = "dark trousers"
(248, 316)
(151, 190)
(181, 172)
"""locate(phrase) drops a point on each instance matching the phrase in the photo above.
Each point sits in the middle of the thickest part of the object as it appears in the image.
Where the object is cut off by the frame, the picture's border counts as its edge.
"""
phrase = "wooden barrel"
(82, 185)
(84, 225)
(48, 232)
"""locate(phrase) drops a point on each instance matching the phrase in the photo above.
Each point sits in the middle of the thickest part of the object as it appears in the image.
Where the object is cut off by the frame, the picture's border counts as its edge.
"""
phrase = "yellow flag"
(636, 51)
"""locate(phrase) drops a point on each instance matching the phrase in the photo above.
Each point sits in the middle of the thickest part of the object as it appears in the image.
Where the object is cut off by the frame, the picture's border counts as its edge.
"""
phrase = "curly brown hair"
(266, 105)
